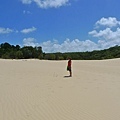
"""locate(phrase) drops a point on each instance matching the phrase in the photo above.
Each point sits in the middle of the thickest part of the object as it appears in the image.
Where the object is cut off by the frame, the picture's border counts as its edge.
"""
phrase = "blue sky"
(61, 25)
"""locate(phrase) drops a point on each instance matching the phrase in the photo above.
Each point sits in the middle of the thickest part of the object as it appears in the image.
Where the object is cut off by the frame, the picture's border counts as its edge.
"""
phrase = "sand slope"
(39, 90)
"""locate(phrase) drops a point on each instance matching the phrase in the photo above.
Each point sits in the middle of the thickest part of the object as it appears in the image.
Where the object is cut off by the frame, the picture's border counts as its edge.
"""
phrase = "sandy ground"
(41, 90)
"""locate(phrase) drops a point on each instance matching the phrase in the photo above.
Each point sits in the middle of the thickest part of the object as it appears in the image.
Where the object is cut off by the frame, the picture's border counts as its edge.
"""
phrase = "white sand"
(38, 90)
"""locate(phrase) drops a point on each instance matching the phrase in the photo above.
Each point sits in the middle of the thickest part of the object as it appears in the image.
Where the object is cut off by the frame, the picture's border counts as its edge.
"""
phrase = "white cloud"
(25, 31)
(26, 12)
(102, 44)
(77, 45)
(71, 45)
(108, 22)
(26, 1)
(47, 3)
(5, 30)
(107, 37)
(104, 39)
(29, 42)
(106, 34)
(102, 33)
(67, 46)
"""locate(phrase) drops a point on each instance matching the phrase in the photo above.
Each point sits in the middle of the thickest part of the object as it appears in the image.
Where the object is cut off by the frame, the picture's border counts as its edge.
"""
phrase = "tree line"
(8, 51)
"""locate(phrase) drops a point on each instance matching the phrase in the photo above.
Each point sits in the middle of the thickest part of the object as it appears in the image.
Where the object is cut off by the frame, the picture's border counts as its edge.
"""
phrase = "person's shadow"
(67, 76)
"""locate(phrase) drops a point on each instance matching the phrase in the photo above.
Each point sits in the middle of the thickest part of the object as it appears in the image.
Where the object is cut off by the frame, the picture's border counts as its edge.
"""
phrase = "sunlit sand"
(41, 90)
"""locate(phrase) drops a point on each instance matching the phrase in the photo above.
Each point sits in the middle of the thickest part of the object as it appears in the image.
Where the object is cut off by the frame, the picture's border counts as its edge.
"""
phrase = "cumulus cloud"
(71, 45)
(30, 42)
(104, 39)
(47, 3)
(107, 37)
(108, 22)
(25, 31)
(5, 30)
(106, 34)
(68, 46)
(78, 45)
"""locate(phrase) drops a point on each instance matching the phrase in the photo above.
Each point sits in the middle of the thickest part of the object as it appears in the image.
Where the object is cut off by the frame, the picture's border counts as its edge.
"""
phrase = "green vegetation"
(8, 51)
(113, 52)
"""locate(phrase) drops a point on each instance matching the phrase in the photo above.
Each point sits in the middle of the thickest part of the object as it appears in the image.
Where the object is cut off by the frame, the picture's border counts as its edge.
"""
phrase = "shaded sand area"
(39, 90)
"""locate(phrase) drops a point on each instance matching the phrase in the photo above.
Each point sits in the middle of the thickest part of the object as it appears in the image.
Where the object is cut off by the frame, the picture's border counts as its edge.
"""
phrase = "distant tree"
(39, 52)
(5, 47)
(27, 52)
(19, 55)
(17, 47)
(6, 56)
(50, 56)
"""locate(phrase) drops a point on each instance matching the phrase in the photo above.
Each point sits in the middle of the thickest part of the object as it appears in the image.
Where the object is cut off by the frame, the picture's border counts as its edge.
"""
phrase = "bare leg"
(70, 73)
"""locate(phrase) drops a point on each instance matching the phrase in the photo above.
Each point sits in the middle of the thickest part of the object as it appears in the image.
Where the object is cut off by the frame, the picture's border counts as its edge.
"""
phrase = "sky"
(61, 25)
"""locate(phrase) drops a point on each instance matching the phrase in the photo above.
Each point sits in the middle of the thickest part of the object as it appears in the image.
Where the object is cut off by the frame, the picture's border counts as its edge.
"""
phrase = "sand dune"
(40, 90)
